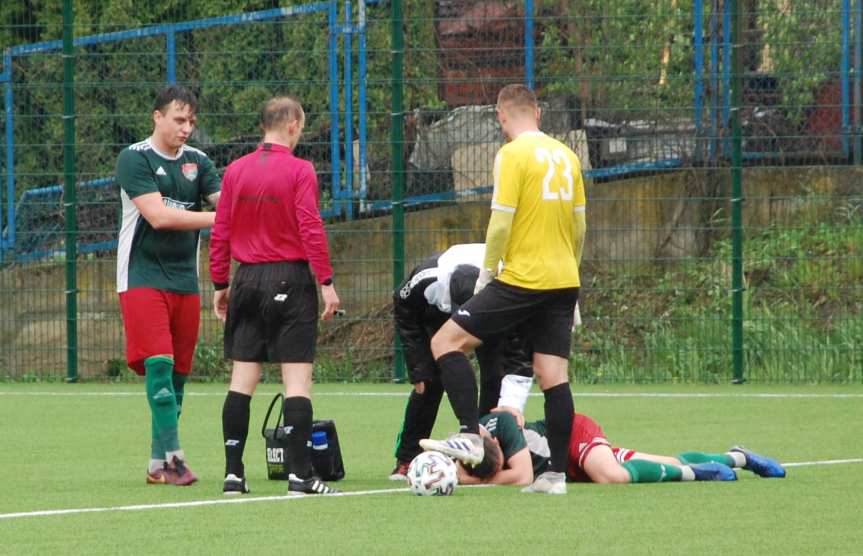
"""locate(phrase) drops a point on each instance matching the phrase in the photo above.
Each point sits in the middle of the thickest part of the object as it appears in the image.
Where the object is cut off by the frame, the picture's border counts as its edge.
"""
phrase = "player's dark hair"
(517, 98)
(169, 94)
(490, 461)
(280, 110)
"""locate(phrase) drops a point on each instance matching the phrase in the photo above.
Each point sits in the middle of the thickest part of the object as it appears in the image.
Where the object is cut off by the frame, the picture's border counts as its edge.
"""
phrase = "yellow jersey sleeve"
(579, 199)
(507, 177)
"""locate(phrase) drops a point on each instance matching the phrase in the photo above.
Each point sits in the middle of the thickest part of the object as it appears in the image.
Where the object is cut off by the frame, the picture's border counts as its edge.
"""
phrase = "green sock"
(179, 381)
(701, 457)
(643, 471)
(163, 402)
(156, 449)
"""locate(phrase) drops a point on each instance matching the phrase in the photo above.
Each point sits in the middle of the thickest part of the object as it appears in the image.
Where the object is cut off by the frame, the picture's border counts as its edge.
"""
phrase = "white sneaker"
(464, 446)
(549, 482)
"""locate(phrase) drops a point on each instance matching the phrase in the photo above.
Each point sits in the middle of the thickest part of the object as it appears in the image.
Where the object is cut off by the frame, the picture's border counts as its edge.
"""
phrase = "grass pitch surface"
(74, 459)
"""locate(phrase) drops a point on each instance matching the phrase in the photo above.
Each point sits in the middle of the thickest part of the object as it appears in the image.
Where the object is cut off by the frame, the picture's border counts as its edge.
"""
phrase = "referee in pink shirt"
(268, 220)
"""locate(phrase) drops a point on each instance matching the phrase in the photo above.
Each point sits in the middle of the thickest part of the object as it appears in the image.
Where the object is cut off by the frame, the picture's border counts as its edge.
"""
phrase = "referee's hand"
(220, 303)
(331, 301)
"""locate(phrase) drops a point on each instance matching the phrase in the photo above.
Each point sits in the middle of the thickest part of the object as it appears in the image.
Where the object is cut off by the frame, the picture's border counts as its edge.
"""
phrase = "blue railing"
(717, 129)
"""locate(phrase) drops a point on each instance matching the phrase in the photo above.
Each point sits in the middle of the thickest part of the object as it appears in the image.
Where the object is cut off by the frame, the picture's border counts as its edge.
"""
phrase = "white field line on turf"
(198, 503)
(249, 500)
(824, 462)
(777, 395)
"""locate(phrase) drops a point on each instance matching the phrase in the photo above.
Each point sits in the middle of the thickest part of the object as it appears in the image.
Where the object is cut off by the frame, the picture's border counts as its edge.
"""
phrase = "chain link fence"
(676, 286)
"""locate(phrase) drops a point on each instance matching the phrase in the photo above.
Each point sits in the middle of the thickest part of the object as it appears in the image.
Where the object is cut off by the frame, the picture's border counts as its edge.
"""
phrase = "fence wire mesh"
(641, 91)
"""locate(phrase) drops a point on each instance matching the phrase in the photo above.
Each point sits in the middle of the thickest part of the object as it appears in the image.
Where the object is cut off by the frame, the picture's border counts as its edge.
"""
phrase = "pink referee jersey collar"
(274, 147)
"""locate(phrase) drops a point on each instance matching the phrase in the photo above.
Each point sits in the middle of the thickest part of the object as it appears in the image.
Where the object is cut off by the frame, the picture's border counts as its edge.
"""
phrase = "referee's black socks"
(559, 411)
(235, 430)
(298, 431)
(460, 385)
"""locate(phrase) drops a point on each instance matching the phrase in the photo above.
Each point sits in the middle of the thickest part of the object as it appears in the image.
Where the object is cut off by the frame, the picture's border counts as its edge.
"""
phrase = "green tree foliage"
(619, 59)
(802, 47)
(634, 59)
(233, 69)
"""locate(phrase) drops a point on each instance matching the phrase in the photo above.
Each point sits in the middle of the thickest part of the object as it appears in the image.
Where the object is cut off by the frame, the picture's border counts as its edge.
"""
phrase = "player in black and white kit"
(434, 290)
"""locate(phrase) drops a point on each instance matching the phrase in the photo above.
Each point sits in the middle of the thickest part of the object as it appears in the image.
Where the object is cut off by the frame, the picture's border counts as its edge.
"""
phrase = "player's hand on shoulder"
(519, 416)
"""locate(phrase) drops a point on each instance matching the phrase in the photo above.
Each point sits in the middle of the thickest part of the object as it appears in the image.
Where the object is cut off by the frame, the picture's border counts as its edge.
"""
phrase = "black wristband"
(327, 282)
(220, 286)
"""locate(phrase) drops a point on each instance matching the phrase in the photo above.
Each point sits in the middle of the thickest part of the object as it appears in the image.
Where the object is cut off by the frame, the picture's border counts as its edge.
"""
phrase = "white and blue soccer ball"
(432, 474)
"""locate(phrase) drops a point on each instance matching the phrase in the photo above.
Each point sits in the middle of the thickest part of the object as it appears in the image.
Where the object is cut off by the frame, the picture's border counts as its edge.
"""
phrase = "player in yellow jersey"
(536, 229)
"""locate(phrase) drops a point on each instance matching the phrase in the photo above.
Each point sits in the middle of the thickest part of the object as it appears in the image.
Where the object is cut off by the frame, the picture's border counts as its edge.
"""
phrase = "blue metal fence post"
(529, 53)
(726, 73)
(171, 47)
(333, 21)
(10, 153)
(349, 113)
(714, 80)
(845, 80)
(5, 79)
(699, 74)
(361, 82)
(858, 80)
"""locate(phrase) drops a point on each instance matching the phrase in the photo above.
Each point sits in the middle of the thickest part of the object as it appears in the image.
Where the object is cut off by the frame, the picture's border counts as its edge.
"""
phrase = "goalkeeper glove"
(576, 317)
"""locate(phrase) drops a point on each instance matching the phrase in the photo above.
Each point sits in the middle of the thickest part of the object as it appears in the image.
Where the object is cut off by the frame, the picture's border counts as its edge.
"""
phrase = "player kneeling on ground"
(433, 291)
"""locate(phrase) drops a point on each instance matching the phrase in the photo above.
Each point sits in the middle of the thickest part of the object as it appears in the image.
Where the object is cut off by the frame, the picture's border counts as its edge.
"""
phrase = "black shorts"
(543, 317)
(272, 314)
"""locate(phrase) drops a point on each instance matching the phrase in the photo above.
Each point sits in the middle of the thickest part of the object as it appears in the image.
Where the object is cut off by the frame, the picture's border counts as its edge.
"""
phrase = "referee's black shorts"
(272, 314)
(543, 317)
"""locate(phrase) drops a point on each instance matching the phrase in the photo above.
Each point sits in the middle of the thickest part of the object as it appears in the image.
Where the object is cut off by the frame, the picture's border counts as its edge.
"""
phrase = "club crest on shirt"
(190, 170)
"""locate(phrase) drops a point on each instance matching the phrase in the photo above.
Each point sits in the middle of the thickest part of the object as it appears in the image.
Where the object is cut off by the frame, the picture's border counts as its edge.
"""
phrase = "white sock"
(156, 465)
(687, 473)
(738, 457)
(179, 453)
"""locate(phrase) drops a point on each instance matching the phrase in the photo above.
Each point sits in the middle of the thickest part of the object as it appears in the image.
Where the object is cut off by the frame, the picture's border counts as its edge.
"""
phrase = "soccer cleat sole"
(545, 484)
(458, 448)
(156, 479)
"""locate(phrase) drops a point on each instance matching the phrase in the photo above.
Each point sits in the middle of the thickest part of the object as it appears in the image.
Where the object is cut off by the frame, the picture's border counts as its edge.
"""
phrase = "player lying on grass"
(514, 455)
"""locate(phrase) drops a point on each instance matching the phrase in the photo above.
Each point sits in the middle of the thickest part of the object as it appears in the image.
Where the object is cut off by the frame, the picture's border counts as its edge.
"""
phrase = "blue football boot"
(760, 465)
(713, 471)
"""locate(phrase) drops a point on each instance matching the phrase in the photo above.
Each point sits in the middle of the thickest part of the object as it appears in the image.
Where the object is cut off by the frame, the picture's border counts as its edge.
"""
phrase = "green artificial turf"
(86, 446)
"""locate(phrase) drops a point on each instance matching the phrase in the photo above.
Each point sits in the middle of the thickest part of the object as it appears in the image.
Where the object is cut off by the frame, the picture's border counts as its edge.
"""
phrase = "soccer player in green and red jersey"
(162, 183)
